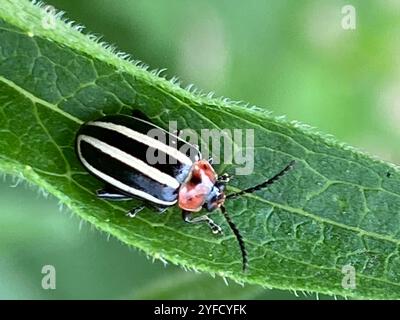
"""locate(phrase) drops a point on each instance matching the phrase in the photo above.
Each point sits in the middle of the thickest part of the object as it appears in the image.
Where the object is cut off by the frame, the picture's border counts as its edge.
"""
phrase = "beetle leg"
(187, 217)
(133, 212)
(160, 210)
(111, 194)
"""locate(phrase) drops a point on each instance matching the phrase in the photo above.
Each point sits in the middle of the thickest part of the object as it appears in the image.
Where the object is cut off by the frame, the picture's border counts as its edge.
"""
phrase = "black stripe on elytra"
(138, 150)
(124, 173)
(144, 127)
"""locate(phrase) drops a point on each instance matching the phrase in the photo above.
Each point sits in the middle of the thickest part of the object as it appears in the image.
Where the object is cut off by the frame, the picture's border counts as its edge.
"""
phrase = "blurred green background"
(291, 57)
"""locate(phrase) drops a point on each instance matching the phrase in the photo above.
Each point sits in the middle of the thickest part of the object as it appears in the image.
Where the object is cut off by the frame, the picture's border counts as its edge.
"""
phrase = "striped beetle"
(114, 149)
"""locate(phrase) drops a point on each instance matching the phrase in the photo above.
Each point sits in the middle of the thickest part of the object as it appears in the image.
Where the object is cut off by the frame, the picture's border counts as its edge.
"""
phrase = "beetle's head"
(201, 189)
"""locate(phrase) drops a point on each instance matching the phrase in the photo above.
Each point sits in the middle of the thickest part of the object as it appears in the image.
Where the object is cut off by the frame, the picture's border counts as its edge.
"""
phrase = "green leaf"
(337, 207)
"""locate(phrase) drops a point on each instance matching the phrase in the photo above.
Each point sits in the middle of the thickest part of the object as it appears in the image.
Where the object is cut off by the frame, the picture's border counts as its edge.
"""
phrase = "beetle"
(114, 148)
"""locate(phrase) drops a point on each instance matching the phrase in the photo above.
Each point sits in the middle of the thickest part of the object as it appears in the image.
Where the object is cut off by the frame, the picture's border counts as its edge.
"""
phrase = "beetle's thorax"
(201, 189)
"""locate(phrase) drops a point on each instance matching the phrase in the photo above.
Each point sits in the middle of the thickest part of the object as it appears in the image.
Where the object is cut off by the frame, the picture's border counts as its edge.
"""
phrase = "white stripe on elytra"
(121, 186)
(143, 138)
(131, 161)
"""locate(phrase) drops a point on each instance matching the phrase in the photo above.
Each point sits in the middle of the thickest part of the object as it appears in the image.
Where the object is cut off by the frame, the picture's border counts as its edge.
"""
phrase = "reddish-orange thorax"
(194, 192)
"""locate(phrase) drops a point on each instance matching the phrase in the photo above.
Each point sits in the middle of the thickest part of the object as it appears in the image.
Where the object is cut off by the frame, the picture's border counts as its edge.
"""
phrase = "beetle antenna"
(239, 237)
(263, 184)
